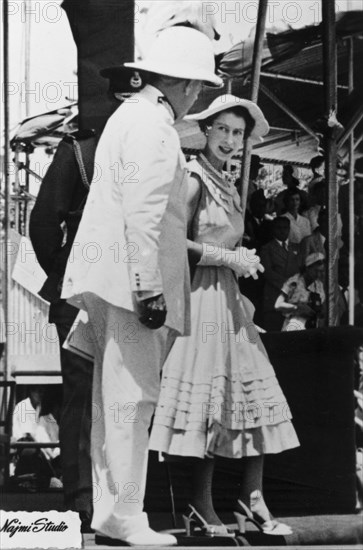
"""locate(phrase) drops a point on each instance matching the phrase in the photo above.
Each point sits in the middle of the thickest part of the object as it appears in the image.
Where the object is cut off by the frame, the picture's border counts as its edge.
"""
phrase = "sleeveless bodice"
(218, 219)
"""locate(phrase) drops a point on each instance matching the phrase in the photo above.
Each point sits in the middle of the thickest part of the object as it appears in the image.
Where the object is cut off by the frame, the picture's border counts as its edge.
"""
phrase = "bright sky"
(52, 53)
(235, 18)
(52, 56)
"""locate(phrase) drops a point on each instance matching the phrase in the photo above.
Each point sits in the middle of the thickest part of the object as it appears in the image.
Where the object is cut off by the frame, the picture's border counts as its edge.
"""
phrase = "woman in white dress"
(219, 394)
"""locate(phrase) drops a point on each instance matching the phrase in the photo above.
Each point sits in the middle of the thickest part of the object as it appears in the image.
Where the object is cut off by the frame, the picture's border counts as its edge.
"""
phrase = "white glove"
(243, 261)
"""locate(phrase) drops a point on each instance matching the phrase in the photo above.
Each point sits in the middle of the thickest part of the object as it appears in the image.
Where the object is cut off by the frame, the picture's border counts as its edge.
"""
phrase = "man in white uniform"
(128, 268)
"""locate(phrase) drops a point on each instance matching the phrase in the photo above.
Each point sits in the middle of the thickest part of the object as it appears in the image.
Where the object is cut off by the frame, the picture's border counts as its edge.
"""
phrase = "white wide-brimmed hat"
(227, 101)
(181, 52)
(313, 258)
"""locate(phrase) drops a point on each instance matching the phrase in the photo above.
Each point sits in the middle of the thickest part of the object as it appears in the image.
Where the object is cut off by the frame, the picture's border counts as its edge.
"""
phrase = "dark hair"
(280, 219)
(315, 162)
(323, 213)
(319, 186)
(288, 169)
(290, 193)
(239, 111)
(257, 197)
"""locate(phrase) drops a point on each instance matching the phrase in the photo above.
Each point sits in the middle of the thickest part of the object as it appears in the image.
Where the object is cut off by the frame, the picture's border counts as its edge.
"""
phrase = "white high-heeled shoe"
(192, 518)
(270, 527)
(146, 537)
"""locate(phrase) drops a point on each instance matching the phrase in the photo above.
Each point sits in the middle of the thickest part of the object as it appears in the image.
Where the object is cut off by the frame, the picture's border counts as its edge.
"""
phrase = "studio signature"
(14, 526)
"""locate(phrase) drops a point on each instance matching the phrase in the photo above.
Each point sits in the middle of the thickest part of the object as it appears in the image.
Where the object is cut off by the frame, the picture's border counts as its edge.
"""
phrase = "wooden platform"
(309, 531)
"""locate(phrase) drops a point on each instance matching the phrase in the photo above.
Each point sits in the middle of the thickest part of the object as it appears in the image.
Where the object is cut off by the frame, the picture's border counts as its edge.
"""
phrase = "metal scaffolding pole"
(330, 93)
(351, 192)
(298, 79)
(255, 83)
(5, 254)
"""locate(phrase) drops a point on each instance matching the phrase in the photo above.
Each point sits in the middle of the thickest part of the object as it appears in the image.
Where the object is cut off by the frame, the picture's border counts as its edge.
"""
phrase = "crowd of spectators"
(289, 232)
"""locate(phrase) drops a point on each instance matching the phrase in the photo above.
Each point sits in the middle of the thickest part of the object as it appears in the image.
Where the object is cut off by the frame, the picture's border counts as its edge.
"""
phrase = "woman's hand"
(243, 261)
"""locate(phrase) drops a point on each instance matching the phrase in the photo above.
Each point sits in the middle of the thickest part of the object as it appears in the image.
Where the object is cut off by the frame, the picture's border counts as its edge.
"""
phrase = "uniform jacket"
(57, 211)
(279, 264)
(132, 236)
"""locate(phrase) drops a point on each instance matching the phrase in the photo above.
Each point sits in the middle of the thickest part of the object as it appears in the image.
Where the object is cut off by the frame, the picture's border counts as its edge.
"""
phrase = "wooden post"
(255, 83)
(330, 95)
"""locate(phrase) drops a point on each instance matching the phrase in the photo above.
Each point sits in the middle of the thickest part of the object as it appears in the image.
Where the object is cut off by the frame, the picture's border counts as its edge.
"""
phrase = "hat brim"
(261, 127)
(191, 136)
(177, 71)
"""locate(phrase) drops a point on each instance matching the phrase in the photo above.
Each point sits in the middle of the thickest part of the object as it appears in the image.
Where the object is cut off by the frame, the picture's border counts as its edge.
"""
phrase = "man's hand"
(153, 312)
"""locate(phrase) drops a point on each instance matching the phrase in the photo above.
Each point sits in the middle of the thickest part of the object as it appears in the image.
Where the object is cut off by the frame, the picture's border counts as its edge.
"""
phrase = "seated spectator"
(257, 228)
(291, 184)
(302, 296)
(317, 165)
(34, 421)
(299, 225)
(317, 201)
(316, 241)
(281, 260)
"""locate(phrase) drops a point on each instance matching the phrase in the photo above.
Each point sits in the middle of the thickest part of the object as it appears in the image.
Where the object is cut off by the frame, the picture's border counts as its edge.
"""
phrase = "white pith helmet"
(181, 52)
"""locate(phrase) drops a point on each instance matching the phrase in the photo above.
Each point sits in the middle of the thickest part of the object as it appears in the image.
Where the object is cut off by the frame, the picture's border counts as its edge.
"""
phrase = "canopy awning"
(292, 97)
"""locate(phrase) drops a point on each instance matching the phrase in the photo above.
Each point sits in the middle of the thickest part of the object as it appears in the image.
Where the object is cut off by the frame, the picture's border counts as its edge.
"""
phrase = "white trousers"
(128, 362)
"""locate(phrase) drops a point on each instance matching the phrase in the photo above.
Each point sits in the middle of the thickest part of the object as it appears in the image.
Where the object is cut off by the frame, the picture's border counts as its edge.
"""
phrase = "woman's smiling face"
(225, 136)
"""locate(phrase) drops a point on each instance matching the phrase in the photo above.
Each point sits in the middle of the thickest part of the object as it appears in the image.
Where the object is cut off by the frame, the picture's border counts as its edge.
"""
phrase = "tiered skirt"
(219, 393)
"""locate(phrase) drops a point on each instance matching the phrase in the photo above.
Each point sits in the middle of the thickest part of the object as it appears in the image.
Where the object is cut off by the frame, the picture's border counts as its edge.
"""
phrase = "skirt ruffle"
(219, 393)
(219, 441)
